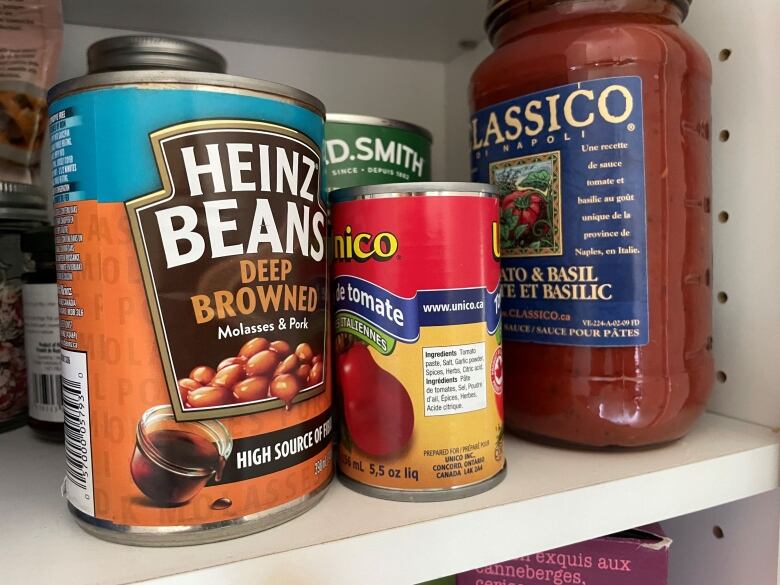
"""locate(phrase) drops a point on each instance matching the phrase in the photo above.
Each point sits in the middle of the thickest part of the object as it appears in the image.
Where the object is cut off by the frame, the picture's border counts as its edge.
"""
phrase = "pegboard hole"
(468, 44)
(721, 376)
(724, 54)
(718, 532)
(722, 297)
(724, 135)
(723, 216)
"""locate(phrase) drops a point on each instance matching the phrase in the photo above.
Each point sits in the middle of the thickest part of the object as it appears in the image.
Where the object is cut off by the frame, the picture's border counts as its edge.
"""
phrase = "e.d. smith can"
(366, 150)
(418, 352)
(192, 277)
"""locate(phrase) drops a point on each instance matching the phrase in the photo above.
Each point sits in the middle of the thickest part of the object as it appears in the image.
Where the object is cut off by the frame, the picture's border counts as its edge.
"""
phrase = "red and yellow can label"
(418, 358)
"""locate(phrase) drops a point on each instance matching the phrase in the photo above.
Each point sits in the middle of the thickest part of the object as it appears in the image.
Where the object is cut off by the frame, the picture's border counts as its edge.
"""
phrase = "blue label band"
(402, 318)
(118, 138)
(569, 163)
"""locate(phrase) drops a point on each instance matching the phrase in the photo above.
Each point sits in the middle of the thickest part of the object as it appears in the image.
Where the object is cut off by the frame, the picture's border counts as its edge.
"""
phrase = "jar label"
(569, 163)
(42, 351)
(13, 392)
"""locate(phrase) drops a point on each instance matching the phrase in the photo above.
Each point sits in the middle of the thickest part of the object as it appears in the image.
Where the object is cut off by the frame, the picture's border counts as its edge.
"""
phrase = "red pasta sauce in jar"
(593, 119)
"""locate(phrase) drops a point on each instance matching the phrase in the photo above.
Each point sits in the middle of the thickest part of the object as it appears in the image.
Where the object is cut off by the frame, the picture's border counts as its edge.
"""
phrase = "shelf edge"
(408, 554)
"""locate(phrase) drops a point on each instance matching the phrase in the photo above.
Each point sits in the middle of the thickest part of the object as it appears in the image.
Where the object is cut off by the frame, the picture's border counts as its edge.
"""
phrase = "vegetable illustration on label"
(524, 209)
(377, 407)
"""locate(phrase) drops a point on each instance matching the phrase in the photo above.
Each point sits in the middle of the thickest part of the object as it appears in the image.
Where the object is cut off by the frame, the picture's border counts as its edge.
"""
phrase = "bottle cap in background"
(152, 52)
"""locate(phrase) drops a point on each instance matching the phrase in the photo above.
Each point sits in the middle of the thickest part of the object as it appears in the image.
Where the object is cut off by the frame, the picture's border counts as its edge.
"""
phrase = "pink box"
(634, 557)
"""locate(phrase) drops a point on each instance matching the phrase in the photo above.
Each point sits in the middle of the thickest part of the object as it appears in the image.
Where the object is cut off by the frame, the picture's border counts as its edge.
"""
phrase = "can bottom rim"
(202, 533)
(425, 496)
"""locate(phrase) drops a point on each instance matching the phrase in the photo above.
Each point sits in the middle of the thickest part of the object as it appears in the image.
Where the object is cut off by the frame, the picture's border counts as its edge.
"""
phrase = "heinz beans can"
(418, 339)
(192, 277)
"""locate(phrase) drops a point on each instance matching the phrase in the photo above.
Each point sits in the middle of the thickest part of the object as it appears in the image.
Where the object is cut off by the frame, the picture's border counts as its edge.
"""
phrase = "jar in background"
(21, 208)
(593, 119)
(42, 334)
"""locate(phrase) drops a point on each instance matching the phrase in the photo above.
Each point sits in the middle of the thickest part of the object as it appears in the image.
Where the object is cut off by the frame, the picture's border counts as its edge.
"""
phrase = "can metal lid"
(495, 8)
(423, 189)
(377, 121)
(158, 79)
(21, 202)
(152, 52)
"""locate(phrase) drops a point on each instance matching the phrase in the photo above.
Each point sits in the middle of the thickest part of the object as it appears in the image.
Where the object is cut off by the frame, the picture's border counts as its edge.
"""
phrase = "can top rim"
(378, 121)
(154, 76)
(422, 188)
(139, 51)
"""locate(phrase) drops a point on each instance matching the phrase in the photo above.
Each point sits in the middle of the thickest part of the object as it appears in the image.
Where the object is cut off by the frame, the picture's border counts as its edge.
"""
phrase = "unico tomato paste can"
(418, 339)
(191, 258)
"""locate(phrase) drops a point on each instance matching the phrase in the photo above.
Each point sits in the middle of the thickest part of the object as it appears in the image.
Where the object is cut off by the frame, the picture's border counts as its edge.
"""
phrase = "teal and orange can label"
(192, 284)
(418, 339)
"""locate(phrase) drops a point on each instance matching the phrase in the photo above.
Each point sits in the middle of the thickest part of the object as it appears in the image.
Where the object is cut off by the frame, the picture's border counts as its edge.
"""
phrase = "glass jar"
(593, 118)
(172, 460)
(42, 335)
(21, 209)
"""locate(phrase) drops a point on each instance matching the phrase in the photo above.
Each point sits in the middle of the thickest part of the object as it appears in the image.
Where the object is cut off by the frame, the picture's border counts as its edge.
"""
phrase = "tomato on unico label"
(378, 410)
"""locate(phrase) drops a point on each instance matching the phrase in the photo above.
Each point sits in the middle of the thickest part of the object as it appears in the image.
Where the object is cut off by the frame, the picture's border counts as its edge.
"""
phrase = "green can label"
(367, 154)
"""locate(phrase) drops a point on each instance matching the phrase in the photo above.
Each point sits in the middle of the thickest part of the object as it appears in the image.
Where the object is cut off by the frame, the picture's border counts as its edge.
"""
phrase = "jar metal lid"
(152, 52)
(377, 121)
(20, 202)
(423, 189)
(496, 7)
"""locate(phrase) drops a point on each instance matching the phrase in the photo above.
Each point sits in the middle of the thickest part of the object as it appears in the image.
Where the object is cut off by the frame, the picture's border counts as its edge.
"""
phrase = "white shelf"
(551, 497)
(405, 29)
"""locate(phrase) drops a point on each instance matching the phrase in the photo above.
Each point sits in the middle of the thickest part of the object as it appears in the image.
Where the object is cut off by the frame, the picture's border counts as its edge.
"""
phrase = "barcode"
(46, 390)
(72, 399)
(78, 448)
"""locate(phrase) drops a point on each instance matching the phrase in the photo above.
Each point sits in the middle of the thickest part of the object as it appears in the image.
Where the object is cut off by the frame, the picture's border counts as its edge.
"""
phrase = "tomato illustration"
(526, 205)
(377, 408)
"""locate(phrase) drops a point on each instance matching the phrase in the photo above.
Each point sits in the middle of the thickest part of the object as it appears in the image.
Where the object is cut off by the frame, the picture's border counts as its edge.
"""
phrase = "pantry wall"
(746, 141)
